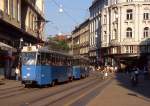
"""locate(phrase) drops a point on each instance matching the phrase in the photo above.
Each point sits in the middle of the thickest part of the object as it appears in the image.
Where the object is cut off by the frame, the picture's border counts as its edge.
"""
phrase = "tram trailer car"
(80, 67)
(34, 74)
(80, 72)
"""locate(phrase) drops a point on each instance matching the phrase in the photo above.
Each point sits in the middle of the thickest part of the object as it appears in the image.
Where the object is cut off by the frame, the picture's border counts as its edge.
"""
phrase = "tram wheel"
(26, 86)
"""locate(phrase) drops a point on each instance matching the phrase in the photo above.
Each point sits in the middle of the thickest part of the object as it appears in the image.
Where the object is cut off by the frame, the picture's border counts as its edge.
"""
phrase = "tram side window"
(44, 59)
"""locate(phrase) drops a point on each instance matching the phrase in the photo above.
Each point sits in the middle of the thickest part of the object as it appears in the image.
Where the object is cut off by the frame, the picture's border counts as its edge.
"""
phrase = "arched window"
(129, 32)
(146, 31)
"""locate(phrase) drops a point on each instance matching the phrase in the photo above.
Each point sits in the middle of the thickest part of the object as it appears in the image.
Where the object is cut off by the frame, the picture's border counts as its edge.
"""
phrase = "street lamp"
(20, 43)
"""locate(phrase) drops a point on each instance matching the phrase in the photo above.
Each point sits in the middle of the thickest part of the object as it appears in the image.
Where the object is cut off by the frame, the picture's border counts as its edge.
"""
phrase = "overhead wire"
(74, 20)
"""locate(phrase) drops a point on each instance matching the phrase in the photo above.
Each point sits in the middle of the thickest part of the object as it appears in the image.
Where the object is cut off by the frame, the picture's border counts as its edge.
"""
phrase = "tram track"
(39, 94)
(5, 89)
(66, 89)
(60, 91)
(11, 90)
(17, 93)
(71, 93)
(77, 91)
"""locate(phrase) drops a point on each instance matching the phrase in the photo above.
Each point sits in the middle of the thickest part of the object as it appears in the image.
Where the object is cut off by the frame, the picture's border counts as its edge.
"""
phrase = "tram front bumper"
(29, 82)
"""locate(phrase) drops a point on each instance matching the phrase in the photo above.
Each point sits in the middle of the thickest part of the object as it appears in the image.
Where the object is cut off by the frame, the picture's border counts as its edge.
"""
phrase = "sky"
(74, 13)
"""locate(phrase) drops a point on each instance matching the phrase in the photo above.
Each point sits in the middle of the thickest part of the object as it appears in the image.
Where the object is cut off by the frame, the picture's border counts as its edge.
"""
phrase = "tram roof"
(80, 57)
(46, 50)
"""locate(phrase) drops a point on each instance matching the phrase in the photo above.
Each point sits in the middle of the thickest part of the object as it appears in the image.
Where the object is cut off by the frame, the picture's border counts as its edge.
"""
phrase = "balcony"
(9, 19)
(84, 44)
(32, 3)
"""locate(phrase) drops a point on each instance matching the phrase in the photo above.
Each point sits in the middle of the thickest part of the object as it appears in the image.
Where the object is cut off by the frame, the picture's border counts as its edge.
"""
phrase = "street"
(76, 93)
(92, 91)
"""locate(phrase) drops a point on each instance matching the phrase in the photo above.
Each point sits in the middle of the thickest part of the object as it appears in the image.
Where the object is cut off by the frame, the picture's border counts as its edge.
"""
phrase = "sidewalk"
(5, 84)
(120, 93)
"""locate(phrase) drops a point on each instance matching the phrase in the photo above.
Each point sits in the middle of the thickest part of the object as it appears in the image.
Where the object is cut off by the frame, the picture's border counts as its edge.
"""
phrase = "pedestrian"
(105, 73)
(134, 76)
(17, 71)
(115, 69)
(145, 72)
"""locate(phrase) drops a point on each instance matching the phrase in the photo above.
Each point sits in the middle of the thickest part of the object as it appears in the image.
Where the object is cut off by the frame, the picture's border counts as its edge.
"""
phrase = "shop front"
(7, 61)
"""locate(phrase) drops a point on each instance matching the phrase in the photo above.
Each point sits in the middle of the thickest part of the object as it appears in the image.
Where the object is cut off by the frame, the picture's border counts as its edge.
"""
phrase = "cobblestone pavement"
(121, 93)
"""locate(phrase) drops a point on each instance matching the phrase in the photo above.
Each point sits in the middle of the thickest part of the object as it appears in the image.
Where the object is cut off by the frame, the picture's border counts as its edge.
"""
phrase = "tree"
(57, 45)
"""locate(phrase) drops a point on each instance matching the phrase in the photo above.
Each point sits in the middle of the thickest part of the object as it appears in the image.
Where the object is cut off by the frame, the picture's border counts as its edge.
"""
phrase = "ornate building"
(125, 32)
(95, 31)
(21, 23)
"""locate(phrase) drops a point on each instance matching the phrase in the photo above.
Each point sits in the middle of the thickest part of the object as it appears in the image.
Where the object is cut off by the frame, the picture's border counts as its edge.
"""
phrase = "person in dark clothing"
(134, 76)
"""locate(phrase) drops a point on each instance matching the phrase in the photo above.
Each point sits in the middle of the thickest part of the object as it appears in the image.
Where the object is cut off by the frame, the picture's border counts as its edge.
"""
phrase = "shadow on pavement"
(143, 87)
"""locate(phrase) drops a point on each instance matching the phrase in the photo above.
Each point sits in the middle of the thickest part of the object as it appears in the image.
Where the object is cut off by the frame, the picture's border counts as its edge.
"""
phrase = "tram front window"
(29, 58)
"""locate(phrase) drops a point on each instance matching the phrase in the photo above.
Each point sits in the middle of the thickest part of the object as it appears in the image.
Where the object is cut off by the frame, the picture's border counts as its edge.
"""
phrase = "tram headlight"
(24, 77)
(28, 74)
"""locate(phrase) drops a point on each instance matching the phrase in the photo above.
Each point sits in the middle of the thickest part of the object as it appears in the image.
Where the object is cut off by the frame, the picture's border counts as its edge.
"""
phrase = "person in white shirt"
(17, 73)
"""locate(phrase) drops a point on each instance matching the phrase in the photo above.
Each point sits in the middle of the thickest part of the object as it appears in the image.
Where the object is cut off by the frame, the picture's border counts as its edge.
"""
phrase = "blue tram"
(41, 66)
(80, 67)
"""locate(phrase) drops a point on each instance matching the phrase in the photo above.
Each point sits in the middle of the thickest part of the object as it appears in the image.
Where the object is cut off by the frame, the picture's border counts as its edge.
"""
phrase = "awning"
(6, 47)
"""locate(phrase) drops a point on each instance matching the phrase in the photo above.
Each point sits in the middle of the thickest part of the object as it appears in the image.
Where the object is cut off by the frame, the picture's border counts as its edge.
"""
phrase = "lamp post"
(19, 56)
(20, 43)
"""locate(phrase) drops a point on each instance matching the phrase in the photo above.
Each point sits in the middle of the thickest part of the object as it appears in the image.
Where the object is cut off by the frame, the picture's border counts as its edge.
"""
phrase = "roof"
(81, 25)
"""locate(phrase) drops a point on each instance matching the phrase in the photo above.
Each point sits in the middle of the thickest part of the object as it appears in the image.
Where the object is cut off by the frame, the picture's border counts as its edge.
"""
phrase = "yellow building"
(81, 39)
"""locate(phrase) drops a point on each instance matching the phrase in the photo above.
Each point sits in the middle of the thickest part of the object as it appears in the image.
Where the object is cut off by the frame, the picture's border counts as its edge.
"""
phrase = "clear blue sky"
(77, 9)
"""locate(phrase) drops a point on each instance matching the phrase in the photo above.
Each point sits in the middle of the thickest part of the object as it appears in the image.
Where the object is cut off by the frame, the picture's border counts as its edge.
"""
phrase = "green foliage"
(57, 45)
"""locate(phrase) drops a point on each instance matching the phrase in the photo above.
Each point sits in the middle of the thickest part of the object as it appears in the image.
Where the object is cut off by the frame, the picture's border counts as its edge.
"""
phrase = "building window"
(146, 31)
(129, 0)
(115, 34)
(105, 19)
(105, 36)
(146, 16)
(129, 14)
(129, 49)
(18, 10)
(129, 33)
(126, 49)
(6, 6)
(13, 8)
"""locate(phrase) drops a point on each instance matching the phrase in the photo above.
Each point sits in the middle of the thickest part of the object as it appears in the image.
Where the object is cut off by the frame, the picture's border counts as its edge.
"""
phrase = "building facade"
(125, 32)
(21, 23)
(80, 39)
(95, 31)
